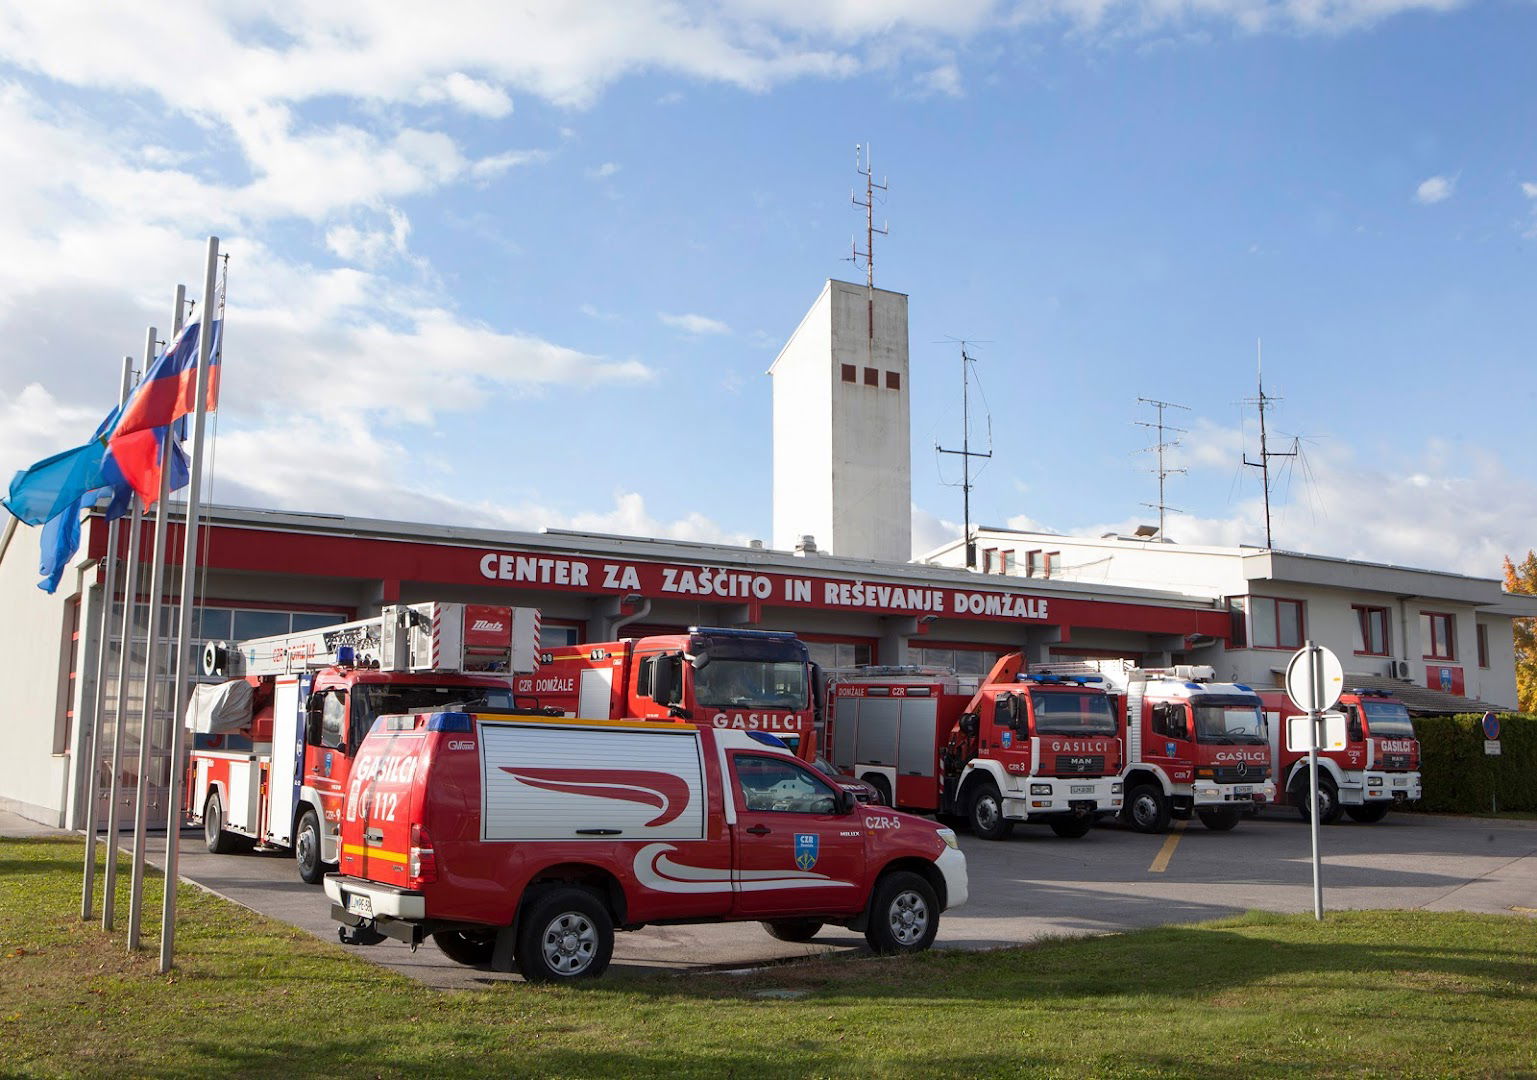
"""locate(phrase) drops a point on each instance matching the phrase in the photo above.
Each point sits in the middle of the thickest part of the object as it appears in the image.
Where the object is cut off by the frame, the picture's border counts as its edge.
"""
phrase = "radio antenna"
(1265, 453)
(863, 167)
(1159, 448)
(966, 453)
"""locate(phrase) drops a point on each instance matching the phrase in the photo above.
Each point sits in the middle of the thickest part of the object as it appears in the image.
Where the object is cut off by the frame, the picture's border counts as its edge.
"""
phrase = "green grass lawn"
(1369, 993)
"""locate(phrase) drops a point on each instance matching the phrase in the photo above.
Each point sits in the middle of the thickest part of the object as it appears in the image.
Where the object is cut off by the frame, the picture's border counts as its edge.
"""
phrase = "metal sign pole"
(1316, 678)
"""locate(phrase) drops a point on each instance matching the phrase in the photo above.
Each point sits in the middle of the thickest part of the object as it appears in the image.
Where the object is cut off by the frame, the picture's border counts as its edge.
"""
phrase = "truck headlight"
(1040, 789)
(1117, 788)
(1374, 781)
(948, 836)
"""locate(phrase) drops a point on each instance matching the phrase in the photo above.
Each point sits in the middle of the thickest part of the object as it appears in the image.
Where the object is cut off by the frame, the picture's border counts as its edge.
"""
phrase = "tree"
(1523, 579)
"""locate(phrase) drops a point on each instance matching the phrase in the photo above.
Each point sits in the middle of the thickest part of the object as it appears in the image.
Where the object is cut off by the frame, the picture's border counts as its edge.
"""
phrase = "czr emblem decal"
(807, 846)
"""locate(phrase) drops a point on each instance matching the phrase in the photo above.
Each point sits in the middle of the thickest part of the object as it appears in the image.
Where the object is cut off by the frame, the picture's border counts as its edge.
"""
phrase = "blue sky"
(532, 273)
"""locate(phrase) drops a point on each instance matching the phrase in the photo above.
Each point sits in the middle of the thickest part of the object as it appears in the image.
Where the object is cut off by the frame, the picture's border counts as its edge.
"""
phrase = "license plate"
(1401, 781)
(360, 905)
(1081, 789)
(1244, 789)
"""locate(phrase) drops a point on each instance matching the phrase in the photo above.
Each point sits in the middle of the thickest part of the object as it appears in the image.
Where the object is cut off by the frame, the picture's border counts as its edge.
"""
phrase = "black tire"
(216, 838)
(882, 789)
(1368, 813)
(307, 847)
(467, 947)
(565, 933)
(1146, 809)
(1073, 827)
(1329, 808)
(904, 916)
(986, 813)
(1219, 818)
(796, 930)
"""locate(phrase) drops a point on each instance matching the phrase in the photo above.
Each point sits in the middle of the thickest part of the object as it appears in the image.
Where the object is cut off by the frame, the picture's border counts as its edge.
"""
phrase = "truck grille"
(1395, 762)
(1242, 774)
(1081, 764)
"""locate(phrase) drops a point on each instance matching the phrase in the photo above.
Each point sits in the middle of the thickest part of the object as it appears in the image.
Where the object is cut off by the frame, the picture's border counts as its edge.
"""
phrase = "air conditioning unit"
(1399, 669)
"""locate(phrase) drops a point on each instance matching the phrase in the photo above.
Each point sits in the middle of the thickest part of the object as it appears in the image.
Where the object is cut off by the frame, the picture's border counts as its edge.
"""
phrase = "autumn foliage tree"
(1522, 578)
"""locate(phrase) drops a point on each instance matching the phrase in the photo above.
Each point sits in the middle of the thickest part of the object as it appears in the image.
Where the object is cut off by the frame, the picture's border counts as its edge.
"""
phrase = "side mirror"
(969, 724)
(846, 802)
(312, 727)
(1012, 706)
(818, 694)
(664, 680)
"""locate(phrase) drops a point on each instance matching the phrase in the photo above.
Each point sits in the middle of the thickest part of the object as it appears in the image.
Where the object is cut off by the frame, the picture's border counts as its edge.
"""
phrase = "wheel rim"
(987, 813)
(212, 826)
(570, 943)
(307, 847)
(908, 917)
(1144, 811)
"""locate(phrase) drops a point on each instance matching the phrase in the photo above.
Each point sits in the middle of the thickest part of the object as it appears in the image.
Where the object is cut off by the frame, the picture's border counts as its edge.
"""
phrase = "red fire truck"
(1021, 747)
(1193, 746)
(1378, 769)
(743, 680)
(272, 749)
(528, 841)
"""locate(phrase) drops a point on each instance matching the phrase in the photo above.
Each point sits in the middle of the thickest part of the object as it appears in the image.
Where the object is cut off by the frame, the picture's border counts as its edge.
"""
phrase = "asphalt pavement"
(1035, 885)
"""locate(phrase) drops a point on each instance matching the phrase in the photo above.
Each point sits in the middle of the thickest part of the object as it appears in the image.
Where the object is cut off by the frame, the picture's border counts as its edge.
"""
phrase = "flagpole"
(184, 658)
(151, 677)
(119, 726)
(92, 753)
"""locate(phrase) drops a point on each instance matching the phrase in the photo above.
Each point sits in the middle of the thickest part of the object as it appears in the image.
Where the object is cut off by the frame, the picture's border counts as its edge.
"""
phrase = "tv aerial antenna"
(863, 167)
(1162, 446)
(966, 453)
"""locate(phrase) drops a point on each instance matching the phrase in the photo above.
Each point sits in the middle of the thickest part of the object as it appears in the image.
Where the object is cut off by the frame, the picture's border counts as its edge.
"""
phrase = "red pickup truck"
(528, 840)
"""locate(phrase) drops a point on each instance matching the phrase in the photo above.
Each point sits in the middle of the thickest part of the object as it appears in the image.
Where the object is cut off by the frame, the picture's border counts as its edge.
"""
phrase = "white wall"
(802, 377)
(32, 776)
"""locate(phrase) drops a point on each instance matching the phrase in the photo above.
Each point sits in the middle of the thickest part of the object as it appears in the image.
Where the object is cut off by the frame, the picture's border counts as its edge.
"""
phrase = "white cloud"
(469, 94)
(944, 80)
(1435, 189)
(694, 324)
(602, 172)
(1529, 189)
(369, 247)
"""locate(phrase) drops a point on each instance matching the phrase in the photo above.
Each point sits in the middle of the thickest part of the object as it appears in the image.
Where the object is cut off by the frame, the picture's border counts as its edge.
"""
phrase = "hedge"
(1459, 778)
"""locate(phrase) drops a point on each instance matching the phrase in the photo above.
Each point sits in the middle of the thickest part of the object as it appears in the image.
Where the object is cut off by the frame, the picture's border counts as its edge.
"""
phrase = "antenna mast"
(1265, 453)
(1159, 447)
(863, 167)
(966, 453)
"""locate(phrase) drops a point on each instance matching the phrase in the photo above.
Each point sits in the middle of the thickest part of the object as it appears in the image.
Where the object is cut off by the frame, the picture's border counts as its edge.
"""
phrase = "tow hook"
(361, 934)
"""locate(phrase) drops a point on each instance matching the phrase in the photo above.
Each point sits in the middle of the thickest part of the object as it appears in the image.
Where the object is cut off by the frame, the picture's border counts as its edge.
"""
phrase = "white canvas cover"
(220, 709)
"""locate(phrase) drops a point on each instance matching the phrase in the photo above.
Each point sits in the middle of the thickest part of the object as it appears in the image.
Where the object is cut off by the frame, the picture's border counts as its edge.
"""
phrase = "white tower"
(842, 468)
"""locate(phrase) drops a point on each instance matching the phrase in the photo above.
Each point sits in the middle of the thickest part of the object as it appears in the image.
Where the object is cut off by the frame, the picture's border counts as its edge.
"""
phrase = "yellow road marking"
(1165, 853)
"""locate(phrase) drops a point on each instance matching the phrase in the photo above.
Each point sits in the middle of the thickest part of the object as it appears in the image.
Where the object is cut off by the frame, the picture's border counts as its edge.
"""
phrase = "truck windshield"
(1220, 723)
(751, 684)
(1387, 720)
(1066, 713)
(372, 700)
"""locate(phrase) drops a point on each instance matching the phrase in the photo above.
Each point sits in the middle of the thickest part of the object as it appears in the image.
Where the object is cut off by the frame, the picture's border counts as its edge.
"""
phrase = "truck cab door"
(1170, 740)
(1005, 734)
(793, 851)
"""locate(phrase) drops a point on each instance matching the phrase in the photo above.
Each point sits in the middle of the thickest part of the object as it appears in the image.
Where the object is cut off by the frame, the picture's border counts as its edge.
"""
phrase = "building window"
(1275, 624)
(1238, 622)
(832, 655)
(554, 635)
(1053, 563)
(1006, 562)
(1371, 631)
(1438, 633)
(988, 555)
(1032, 563)
(872, 377)
(1482, 633)
(962, 660)
(893, 380)
(848, 372)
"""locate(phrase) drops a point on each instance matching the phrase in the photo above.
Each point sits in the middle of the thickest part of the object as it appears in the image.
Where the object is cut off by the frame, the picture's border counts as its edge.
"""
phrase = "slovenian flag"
(167, 392)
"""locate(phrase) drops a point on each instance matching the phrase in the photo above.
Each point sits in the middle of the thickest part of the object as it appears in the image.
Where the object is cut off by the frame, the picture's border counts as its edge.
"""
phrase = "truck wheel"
(216, 838)
(904, 916)
(1219, 818)
(466, 947)
(987, 820)
(307, 847)
(882, 789)
(1072, 828)
(796, 930)
(1147, 810)
(1328, 799)
(1369, 812)
(566, 933)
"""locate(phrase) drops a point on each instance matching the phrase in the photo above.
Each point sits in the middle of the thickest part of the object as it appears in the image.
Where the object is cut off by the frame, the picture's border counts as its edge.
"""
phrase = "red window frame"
(1363, 614)
(1255, 601)
(1436, 641)
(1481, 634)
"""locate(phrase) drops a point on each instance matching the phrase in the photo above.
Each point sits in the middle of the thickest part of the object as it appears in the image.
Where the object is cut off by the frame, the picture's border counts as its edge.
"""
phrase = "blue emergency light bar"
(1370, 691)
(1062, 680)
(769, 740)
(727, 631)
(345, 654)
(449, 721)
